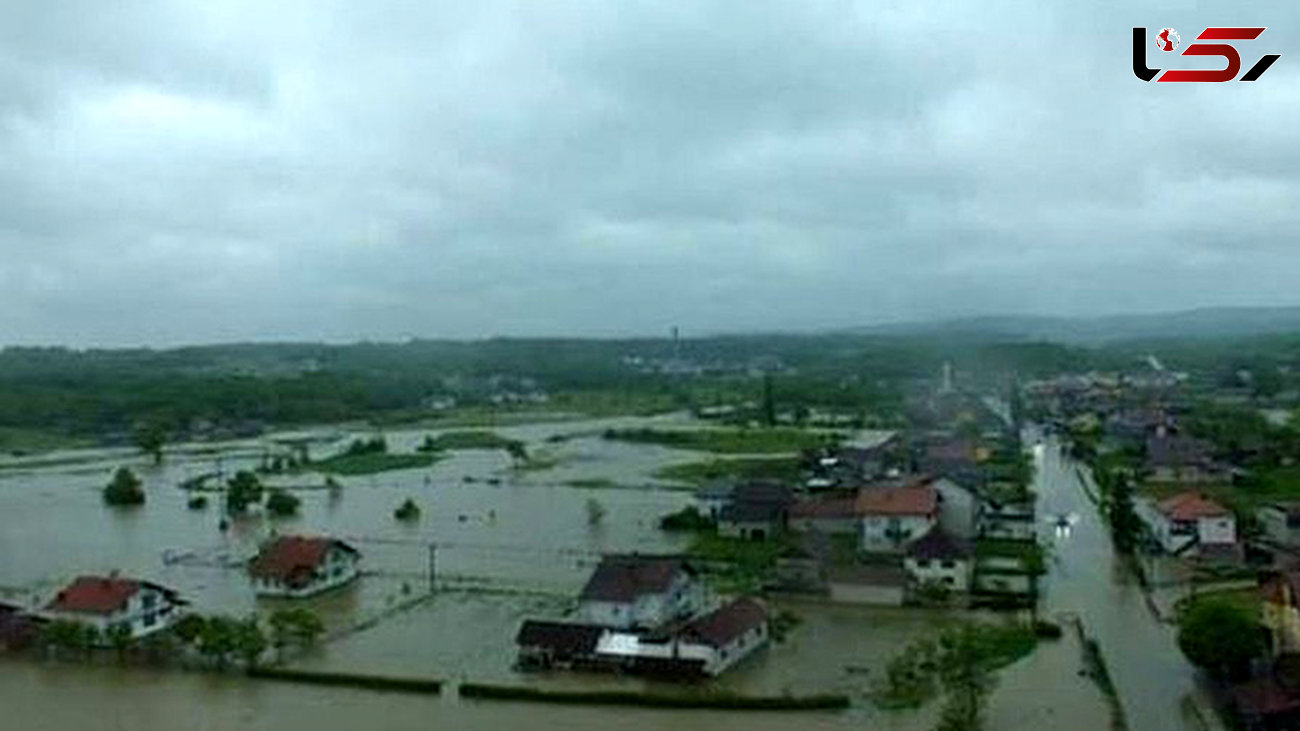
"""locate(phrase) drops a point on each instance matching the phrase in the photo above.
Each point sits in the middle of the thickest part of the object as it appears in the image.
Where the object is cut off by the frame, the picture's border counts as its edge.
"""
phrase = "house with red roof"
(106, 602)
(300, 566)
(640, 591)
(1189, 522)
(892, 517)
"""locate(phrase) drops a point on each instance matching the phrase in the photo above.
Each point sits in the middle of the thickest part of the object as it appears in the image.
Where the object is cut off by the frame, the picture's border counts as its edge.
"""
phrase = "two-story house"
(634, 591)
(892, 517)
(1189, 521)
(107, 602)
(300, 566)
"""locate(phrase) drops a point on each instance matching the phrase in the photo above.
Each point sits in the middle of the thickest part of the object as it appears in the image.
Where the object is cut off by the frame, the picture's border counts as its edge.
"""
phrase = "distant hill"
(1200, 323)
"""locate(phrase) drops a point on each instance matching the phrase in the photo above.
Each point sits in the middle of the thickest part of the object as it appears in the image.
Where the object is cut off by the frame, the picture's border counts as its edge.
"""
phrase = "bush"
(282, 503)
(686, 519)
(1220, 637)
(242, 490)
(198, 502)
(124, 489)
(407, 511)
(1047, 630)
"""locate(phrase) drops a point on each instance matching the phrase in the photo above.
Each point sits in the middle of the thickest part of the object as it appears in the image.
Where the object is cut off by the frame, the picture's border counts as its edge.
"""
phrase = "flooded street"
(1084, 578)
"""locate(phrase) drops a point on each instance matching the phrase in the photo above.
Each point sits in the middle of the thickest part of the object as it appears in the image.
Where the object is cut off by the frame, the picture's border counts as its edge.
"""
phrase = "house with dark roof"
(757, 510)
(1176, 458)
(300, 566)
(635, 591)
(939, 560)
(18, 628)
(108, 602)
(545, 644)
(1189, 522)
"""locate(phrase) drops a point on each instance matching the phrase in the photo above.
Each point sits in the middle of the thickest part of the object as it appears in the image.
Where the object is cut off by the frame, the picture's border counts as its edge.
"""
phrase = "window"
(948, 564)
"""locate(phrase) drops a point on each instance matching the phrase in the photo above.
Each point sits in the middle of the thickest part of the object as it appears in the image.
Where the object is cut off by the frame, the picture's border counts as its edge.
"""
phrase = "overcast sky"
(216, 171)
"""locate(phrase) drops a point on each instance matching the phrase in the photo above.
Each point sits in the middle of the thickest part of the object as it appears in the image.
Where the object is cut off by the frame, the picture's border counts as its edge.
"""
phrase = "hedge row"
(719, 701)
(368, 682)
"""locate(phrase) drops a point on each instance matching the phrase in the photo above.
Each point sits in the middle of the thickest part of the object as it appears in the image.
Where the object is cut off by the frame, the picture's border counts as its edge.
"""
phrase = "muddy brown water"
(518, 548)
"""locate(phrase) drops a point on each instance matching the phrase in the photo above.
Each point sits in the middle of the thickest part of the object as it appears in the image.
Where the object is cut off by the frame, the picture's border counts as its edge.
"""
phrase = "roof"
(1177, 451)
(98, 594)
(747, 512)
(916, 500)
(624, 577)
(762, 492)
(722, 625)
(561, 638)
(292, 558)
(939, 545)
(1189, 506)
(825, 508)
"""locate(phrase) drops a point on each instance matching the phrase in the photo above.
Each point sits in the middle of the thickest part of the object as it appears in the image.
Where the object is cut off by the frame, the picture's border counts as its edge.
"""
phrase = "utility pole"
(433, 565)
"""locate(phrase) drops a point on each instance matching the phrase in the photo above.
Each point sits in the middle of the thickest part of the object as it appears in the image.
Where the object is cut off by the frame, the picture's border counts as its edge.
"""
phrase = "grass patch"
(708, 700)
(351, 680)
(1246, 599)
(728, 441)
(466, 439)
(740, 468)
(738, 565)
(592, 483)
(369, 464)
(19, 441)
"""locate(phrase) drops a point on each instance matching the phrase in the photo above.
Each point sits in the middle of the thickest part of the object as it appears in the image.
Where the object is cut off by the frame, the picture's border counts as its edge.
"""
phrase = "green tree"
(1125, 526)
(1220, 638)
(966, 674)
(242, 490)
(295, 626)
(282, 503)
(189, 628)
(150, 438)
(595, 512)
(407, 511)
(119, 636)
(250, 642)
(124, 489)
(62, 634)
(219, 639)
(517, 451)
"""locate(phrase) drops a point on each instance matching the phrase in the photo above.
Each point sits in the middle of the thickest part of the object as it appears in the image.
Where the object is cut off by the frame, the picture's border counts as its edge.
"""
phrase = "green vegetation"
(961, 664)
(595, 512)
(198, 502)
(739, 565)
(688, 518)
(64, 635)
(219, 638)
(700, 700)
(1220, 637)
(282, 503)
(408, 511)
(728, 441)
(243, 490)
(1247, 600)
(740, 468)
(592, 483)
(299, 626)
(467, 439)
(124, 489)
(369, 464)
(150, 438)
(351, 680)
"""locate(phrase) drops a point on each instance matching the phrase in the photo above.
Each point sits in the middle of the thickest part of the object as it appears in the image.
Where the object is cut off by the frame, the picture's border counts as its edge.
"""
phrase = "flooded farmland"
(508, 544)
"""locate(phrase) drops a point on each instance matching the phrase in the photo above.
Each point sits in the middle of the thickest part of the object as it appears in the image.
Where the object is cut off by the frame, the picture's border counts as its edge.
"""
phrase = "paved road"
(1084, 578)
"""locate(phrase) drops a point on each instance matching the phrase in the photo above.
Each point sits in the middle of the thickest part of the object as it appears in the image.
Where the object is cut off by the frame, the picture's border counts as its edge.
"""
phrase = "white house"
(105, 602)
(940, 560)
(633, 591)
(300, 566)
(707, 645)
(892, 517)
(1189, 521)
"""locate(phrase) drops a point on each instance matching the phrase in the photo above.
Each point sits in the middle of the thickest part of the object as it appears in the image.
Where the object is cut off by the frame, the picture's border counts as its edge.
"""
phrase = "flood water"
(521, 547)
(1084, 578)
